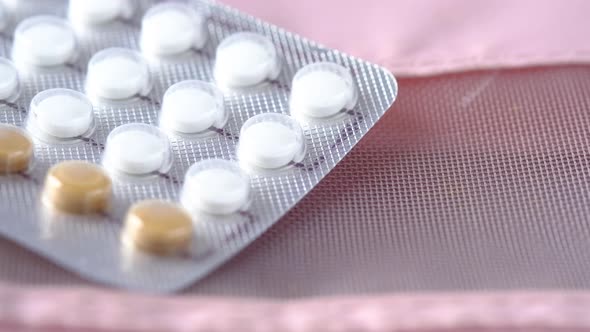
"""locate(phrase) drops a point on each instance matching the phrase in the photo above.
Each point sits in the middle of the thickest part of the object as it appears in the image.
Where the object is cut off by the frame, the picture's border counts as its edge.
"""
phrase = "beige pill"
(78, 187)
(16, 150)
(158, 227)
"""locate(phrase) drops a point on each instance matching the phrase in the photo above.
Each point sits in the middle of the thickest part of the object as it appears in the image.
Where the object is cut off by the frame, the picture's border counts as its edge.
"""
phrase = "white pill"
(271, 141)
(137, 149)
(322, 90)
(246, 59)
(216, 187)
(62, 113)
(192, 107)
(98, 11)
(117, 73)
(44, 41)
(172, 28)
(9, 81)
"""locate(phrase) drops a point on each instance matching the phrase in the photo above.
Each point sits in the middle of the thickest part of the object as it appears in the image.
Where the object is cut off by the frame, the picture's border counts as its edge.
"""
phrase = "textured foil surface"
(91, 245)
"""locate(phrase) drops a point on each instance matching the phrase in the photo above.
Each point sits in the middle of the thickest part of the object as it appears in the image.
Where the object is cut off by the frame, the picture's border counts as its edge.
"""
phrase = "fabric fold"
(425, 37)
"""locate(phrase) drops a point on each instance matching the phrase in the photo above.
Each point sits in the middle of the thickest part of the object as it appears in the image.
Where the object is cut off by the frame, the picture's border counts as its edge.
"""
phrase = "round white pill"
(117, 73)
(322, 90)
(137, 149)
(98, 11)
(215, 186)
(44, 41)
(62, 113)
(192, 107)
(9, 81)
(172, 28)
(246, 59)
(271, 141)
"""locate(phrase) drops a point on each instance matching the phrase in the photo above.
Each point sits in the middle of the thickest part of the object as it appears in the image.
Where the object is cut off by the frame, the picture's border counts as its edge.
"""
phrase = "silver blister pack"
(91, 245)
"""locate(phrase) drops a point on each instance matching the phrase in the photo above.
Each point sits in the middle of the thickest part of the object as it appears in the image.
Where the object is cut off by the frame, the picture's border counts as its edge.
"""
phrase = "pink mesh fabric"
(475, 181)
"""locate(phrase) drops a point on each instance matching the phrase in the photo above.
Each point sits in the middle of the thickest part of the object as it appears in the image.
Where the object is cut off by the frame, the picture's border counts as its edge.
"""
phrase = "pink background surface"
(422, 37)
(85, 310)
(411, 37)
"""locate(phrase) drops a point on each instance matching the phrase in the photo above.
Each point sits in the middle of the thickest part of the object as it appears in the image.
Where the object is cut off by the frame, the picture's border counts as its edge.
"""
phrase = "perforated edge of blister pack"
(92, 246)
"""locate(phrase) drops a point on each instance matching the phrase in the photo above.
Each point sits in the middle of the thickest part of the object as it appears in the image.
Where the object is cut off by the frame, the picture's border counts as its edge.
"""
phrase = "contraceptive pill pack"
(144, 143)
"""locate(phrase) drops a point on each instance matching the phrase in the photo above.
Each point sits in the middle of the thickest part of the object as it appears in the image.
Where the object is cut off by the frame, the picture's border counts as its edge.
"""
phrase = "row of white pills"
(268, 141)
(319, 90)
(242, 60)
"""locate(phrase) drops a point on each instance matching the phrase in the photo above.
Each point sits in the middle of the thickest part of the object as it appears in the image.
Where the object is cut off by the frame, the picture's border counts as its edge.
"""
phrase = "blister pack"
(144, 143)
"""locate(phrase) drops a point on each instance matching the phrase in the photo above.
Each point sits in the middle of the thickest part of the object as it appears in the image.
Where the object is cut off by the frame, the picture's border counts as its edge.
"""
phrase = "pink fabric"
(65, 310)
(421, 37)
(411, 37)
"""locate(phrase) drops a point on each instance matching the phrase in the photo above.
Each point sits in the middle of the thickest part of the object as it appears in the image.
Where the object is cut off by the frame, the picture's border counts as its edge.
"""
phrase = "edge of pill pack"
(227, 189)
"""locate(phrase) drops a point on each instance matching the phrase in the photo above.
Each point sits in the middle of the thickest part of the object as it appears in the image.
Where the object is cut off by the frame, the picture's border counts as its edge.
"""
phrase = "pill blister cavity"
(61, 113)
(9, 80)
(94, 12)
(172, 28)
(192, 107)
(246, 59)
(117, 74)
(44, 41)
(322, 90)
(77, 187)
(158, 227)
(271, 141)
(16, 150)
(137, 149)
(217, 187)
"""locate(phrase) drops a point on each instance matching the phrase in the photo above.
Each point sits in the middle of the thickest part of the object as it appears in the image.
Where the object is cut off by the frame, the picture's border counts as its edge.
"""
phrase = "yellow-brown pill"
(158, 227)
(78, 187)
(16, 150)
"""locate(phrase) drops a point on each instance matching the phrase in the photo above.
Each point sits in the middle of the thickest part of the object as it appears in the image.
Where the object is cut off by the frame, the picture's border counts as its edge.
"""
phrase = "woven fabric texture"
(473, 181)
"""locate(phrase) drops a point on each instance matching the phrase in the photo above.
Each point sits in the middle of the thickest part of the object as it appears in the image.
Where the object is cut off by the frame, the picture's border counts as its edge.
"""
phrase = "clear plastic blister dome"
(137, 149)
(117, 74)
(44, 41)
(271, 141)
(193, 107)
(322, 90)
(217, 187)
(60, 114)
(172, 28)
(246, 59)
